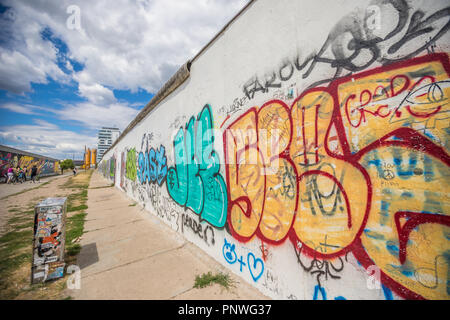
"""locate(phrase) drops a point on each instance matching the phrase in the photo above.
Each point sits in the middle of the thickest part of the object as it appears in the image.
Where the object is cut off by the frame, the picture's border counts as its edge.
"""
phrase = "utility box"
(49, 240)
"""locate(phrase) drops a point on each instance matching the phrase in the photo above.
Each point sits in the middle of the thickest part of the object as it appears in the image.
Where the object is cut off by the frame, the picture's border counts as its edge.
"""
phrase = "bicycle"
(21, 178)
(14, 179)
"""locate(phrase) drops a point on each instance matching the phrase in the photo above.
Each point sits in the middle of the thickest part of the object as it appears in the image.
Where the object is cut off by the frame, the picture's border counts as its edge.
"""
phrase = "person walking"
(33, 173)
(24, 174)
(15, 175)
(74, 171)
(10, 174)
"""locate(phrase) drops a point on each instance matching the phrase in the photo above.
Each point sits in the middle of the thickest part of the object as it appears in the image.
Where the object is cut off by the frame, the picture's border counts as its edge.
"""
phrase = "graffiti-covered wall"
(44, 166)
(308, 151)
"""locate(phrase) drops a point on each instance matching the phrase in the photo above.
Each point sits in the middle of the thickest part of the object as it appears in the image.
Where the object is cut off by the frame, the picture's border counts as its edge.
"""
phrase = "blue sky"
(68, 68)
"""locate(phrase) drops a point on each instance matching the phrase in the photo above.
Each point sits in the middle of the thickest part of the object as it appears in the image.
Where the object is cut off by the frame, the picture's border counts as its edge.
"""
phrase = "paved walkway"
(9, 189)
(127, 253)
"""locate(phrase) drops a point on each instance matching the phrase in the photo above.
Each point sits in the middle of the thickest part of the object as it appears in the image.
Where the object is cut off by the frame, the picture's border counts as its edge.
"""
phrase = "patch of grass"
(74, 249)
(15, 236)
(208, 279)
(20, 235)
(9, 264)
(76, 202)
(77, 208)
(132, 205)
(80, 181)
(74, 227)
(74, 199)
(44, 184)
(24, 225)
(18, 219)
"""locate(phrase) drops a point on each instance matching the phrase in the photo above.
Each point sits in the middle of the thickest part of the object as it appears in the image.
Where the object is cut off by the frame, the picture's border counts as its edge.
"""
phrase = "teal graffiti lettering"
(195, 181)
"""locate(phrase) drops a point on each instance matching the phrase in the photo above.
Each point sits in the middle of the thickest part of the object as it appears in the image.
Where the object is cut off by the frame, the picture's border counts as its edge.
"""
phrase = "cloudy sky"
(68, 68)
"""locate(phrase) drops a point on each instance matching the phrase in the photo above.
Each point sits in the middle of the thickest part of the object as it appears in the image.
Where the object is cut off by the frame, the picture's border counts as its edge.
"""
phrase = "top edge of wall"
(25, 153)
(222, 30)
(174, 82)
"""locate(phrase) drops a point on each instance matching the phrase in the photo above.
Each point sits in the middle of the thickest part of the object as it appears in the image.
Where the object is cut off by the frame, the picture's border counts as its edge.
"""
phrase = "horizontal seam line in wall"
(137, 260)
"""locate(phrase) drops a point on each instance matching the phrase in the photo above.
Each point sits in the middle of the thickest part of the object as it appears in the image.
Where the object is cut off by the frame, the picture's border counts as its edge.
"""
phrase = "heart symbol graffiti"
(252, 263)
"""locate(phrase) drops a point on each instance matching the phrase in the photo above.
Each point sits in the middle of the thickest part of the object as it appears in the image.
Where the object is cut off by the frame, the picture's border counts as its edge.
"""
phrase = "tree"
(66, 164)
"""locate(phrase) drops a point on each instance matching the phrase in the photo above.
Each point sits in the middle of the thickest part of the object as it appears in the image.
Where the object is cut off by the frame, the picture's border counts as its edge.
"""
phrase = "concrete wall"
(308, 150)
(15, 158)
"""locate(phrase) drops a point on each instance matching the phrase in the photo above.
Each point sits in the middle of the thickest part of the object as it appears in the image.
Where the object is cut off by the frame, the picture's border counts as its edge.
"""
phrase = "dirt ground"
(30, 195)
(16, 235)
(10, 189)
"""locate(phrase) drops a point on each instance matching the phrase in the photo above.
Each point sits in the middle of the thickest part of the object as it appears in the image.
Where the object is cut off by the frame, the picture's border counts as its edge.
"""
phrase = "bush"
(67, 164)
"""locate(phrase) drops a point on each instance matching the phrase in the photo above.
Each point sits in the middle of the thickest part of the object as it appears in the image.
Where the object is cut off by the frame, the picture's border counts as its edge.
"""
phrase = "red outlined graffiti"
(311, 178)
(414, 219)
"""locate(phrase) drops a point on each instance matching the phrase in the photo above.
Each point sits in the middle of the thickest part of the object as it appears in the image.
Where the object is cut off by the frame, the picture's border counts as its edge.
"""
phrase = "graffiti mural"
(122, 169)
(357, 31)
(112, 168)
(254, 265)
(326, 173)
(152, 165)
(195, 181)
(358, 166)
(131, 164)
(108, 168)
(14, 160)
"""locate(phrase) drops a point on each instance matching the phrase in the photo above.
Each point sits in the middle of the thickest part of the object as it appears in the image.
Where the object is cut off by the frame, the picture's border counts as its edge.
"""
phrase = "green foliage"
(73, 250)
(67, 164)
(76, 208)
(208, 279)
(74, 227)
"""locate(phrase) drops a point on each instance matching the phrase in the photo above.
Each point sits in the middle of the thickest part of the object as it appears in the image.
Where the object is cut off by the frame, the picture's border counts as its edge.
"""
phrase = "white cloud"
(87, 114)
(24, 56)
(23, 109)
(128, 45)
(27, 109)
(96, 93)
(95, 116)
(45, 124)
(124, 45)
(47, 139)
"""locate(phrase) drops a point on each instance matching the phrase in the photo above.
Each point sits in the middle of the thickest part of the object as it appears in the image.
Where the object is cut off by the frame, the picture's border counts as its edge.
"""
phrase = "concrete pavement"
(128, 253)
